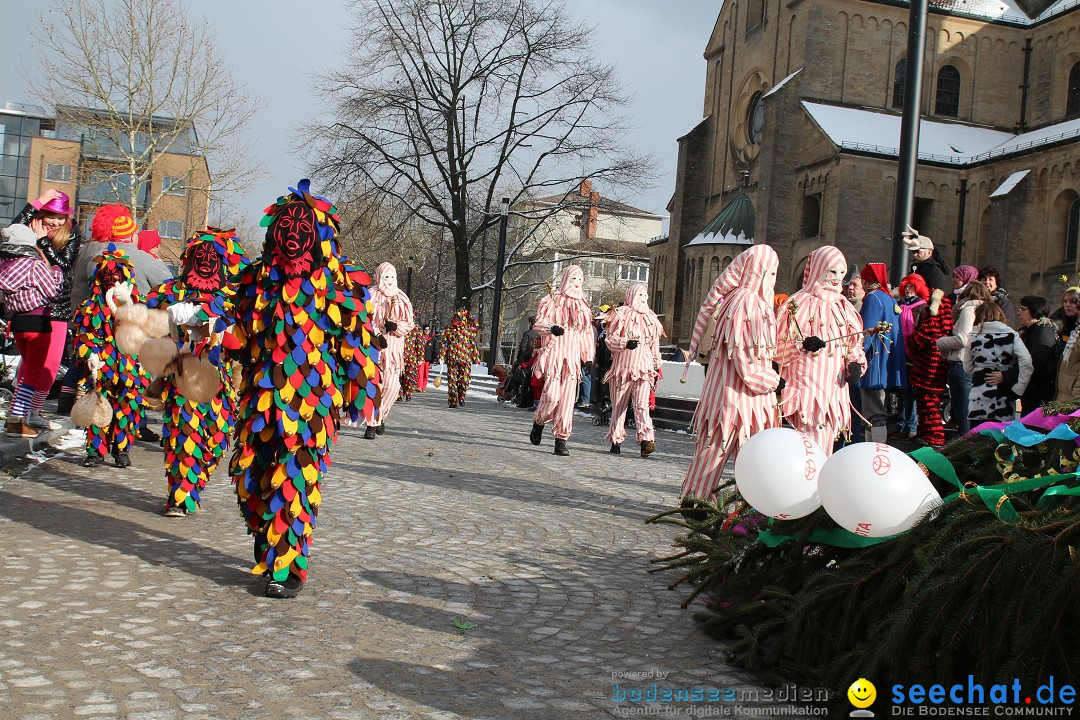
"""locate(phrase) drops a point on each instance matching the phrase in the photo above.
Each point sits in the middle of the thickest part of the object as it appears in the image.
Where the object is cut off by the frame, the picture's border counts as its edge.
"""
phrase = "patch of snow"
(74, 439)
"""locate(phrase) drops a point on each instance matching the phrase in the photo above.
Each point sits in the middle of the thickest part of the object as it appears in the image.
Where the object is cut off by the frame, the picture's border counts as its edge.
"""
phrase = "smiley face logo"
(862, 693)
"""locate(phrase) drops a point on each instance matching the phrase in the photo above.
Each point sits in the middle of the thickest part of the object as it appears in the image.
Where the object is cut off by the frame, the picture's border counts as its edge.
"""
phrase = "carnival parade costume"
(392, 320)
(459, 354)
(633, 335)
(120, 380)
(195, 436)
(738, 399)
(819, 351)
(567, 340)
(413, 356)
(300, 322)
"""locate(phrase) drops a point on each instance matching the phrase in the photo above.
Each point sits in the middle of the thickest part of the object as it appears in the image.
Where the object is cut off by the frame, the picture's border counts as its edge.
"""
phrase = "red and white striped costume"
(739, 397)
(633, 373)
(390, 303)
(558, 360)
(815, 399)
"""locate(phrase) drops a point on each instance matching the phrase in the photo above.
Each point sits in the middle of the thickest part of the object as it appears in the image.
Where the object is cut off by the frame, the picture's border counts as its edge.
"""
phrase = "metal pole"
(496, 310)
(909, 137)
(408, 279)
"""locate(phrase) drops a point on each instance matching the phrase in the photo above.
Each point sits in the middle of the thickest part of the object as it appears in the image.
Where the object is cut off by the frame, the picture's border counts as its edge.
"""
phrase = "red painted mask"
(293, 237)
(204, 269)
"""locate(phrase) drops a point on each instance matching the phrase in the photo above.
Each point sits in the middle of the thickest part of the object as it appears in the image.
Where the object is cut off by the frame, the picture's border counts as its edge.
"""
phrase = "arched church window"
(948, 92)
(899, 84)
(1072, 101)
(1072, 229)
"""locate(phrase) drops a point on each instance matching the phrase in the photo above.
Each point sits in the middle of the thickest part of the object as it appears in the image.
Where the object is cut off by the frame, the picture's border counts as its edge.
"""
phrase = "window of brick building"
(58, 173)
(948, 92)
(173, 185)
(755, 14)
(920, 215)
(1072, 100)
(899, 84)
(172, 229)
(811, 215)
(1072, 229)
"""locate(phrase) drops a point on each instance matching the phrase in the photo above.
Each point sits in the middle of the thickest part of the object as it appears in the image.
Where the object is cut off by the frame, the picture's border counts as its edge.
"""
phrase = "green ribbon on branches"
(996, 497)
(837, 537)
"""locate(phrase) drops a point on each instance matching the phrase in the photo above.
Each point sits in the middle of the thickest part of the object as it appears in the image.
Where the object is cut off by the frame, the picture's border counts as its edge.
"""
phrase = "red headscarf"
(916, 283)
(876, 274)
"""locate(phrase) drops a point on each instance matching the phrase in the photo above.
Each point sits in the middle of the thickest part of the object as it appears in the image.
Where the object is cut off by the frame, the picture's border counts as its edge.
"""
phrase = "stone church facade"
(802, 114)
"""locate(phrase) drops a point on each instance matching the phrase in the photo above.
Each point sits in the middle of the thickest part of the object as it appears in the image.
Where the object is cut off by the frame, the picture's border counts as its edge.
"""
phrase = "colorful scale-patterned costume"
(121, 381)
(300, 325)
(459, 353)
(414, 355)
(196, 436)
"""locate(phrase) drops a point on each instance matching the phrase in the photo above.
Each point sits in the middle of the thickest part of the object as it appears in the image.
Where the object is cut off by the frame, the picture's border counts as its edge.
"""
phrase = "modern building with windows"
(65, 151)
(802, 109)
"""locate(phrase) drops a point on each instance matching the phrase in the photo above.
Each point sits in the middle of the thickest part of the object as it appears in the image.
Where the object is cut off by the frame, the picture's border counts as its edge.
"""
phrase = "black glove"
(380, 341)
(390, 326)
(556, 330)
(782, 385)
(854, 372)
(813, 344)
(632, 344)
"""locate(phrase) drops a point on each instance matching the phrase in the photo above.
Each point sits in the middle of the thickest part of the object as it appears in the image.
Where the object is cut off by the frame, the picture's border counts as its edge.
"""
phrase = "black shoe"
(290, 587)
(64, 403)
(648, 448)
(380, 429)
(370, 432)
(615, 450)
(92, 460)
(560, 447)
(148, 435)
(122, 459)
(537, 433)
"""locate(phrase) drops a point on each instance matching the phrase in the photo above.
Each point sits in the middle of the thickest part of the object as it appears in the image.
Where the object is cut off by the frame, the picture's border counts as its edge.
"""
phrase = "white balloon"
(875, 490)
(777, 472)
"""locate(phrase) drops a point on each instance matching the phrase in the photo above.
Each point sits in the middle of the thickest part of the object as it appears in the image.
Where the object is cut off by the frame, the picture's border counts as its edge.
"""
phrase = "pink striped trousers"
(391, 386)
(622, 393)
(557, 404)
(707, 468)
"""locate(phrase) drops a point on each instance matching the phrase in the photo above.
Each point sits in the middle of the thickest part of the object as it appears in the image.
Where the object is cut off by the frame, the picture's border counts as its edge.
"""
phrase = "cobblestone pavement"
(111, 610)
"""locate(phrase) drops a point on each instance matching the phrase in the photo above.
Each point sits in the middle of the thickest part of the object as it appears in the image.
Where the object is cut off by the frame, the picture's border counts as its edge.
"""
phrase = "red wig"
(916, 283)
(110, 218)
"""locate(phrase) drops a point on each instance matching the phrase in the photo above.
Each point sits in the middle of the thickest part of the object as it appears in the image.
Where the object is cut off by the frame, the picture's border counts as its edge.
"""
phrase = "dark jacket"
(935, 272)
(64, 258)
(1041, 340)
(1001, 298)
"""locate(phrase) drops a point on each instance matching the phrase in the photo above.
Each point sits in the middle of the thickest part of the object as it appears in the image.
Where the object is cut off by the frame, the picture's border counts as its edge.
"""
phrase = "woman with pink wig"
(392, 321)
(567, 340)
(739, 397)
(819, 351)
(633, 335)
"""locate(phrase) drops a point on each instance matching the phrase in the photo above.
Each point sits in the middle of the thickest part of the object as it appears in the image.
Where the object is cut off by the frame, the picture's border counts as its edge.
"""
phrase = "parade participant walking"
(51, 217)
(392, 321)
(567, 340)
(739, 397)
(632, 333)
(459, 354)
(29, 283)
(884, 348)
(120, 381)
(819, 351)
(929, 368)
(413, 356)
(297, 317)
(196, 435)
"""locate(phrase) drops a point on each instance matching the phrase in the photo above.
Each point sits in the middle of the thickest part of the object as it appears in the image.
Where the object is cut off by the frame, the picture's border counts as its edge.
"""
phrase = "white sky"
(274, 46)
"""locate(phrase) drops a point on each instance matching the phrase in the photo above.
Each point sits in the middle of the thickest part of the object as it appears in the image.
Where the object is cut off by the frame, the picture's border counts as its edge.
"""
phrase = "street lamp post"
(408, 278)
(496, 309)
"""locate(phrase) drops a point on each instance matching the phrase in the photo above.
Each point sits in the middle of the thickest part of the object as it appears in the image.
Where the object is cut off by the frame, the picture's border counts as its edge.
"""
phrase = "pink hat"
(60, 205)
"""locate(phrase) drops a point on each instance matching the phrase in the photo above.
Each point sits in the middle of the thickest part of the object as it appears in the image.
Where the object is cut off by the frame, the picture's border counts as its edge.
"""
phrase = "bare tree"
(447, 105)
(140, 79)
